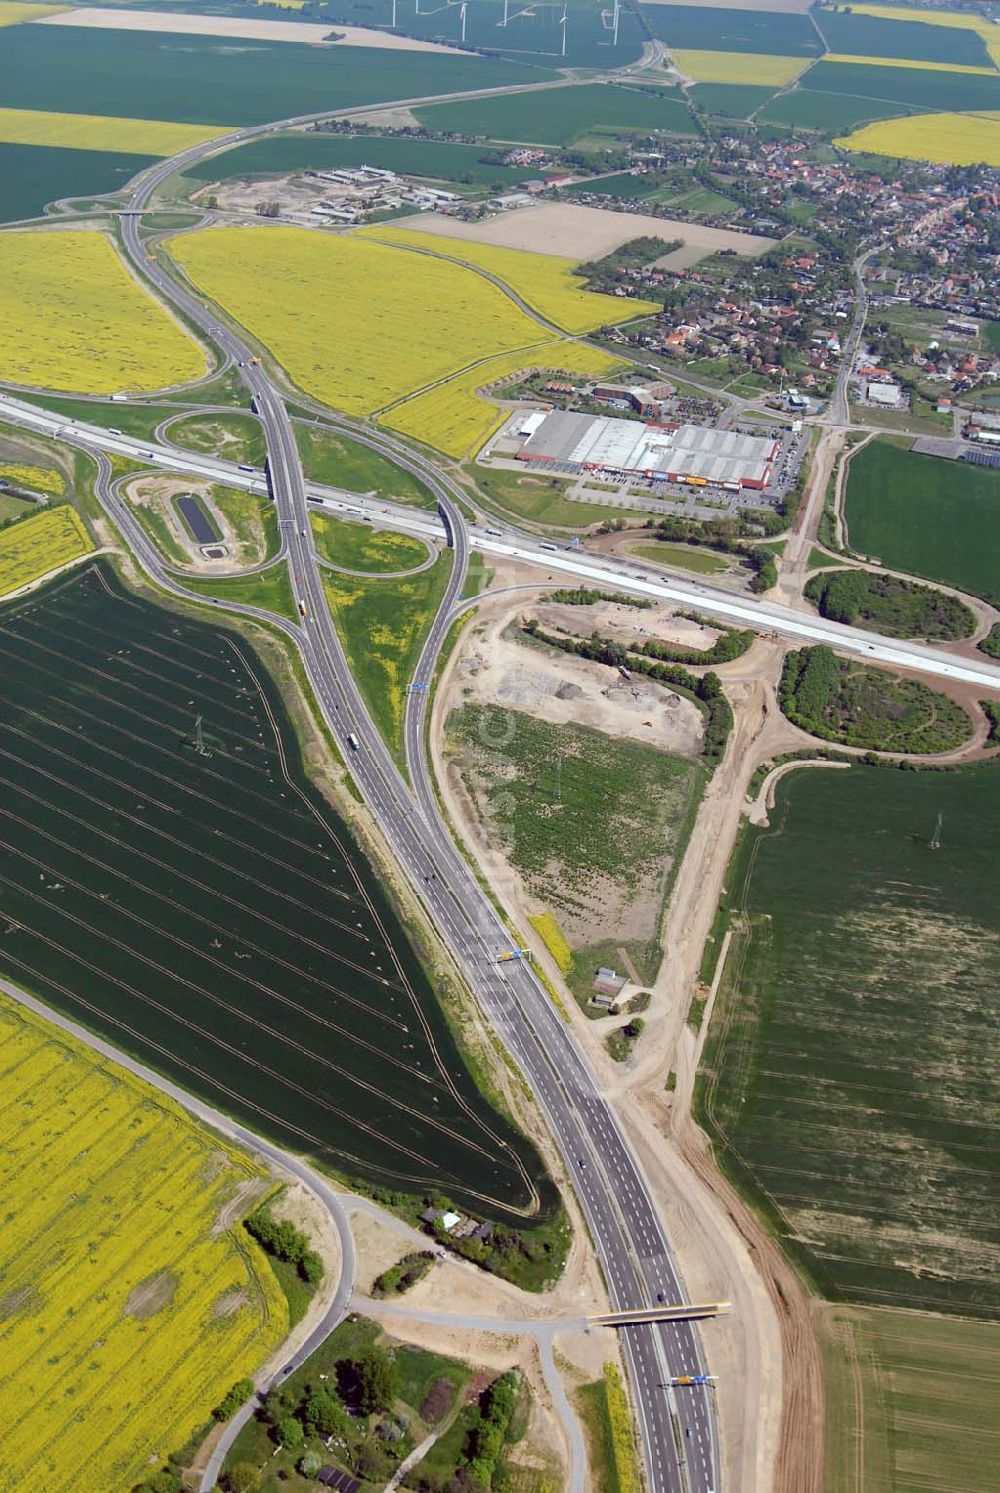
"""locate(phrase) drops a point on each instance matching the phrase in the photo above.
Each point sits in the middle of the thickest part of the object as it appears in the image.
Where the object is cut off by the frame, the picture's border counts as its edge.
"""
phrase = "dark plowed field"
(208, 911)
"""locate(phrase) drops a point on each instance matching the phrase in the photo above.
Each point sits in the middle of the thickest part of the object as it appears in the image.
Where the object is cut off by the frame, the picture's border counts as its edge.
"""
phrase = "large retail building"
(692, 454)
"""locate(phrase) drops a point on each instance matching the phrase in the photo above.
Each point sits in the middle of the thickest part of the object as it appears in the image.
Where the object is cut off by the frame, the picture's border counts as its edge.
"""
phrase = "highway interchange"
(624, 1224)
(678, 1436)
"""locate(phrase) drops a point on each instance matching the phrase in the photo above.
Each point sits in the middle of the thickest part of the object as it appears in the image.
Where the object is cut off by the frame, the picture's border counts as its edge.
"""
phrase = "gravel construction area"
(241, 27)
(496, 670)
(585, 233)
(630, 625)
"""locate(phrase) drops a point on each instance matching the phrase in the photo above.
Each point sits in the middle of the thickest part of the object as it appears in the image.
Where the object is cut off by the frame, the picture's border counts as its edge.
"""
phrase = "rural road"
(679, 1446)
(624, 1223)
(544, 1333)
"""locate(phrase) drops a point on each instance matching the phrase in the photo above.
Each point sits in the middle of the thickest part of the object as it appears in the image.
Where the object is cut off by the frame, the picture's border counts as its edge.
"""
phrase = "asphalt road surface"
(626, 1229)
(628, 574)
(679, 1445)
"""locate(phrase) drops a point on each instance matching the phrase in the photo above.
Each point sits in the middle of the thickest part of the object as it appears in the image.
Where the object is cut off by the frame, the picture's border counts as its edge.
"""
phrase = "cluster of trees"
(283, 1240)
(489, 1433)
(368, 1383)
(707, 689)
(602, 274)
(583, 596)
(991, 643)
(404, 1274)
(807, 682)
(622, 1041)
(237, 1396)
(507, 1252)
(896, 607)
(731, 643)
(764, 567)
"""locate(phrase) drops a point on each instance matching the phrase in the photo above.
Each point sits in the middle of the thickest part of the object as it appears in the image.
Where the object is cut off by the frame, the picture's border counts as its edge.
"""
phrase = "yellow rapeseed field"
(456, 420)
(932, 67)
(75, 320)
(38, 544)
(39, 479)
(761, 68)
(950, 139)
(150, 137)
(622, 1432)
(547, 927)
(544, 282)
(122, 1319)
(356, 323)
(13, 12)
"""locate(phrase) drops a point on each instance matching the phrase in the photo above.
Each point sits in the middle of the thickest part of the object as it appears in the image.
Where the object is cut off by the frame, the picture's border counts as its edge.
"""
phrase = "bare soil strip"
(584, 233)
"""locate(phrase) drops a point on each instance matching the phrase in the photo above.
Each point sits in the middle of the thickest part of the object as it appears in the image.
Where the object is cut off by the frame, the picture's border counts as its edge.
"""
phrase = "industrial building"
(889, 395)
(692, 454)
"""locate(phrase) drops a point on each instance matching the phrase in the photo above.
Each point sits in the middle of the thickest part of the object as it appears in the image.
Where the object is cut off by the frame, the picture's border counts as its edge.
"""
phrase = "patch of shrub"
(237, 1396)
(583, 596)
(404, 1274)
(898, 608)
(283, 1240)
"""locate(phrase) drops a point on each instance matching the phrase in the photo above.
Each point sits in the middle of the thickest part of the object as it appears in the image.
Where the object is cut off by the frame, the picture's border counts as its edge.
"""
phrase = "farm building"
(669, 453)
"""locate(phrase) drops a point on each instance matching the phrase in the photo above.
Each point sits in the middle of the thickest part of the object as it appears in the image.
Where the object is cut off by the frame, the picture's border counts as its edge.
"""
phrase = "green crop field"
(831, 112)
(714, 28)
(737, 100)
(382, 625)
(849, 1081)
(438, 160)
(357, 546)
(910, 1402)
(33, 175)
(594, 833)
(151, 75)
(337, 461)
(210, 912)
(933, 518)
(620, 184)
(871, 36)
(234, 437)
(558, 115)
(922, 88)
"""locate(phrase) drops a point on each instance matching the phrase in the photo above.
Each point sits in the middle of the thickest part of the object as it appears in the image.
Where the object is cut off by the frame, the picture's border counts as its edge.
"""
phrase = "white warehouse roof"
(626, 445)
(888, 394)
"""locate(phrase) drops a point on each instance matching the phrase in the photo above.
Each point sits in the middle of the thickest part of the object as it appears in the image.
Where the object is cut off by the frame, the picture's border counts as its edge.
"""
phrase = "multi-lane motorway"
(628, 574)
(679, 1445)
(615, 1198)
